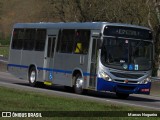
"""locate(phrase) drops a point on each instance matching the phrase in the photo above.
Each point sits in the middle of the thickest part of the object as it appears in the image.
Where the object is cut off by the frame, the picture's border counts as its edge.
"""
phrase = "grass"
(19, 100)
(23, 100)
(4, 51)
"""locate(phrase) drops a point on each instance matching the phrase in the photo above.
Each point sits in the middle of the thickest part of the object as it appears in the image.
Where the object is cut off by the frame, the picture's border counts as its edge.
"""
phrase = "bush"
(5, 41)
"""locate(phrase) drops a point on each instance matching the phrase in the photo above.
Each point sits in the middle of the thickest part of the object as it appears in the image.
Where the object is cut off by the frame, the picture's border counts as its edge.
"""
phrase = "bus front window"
(115, 51)
(141, 54)
(122, 53)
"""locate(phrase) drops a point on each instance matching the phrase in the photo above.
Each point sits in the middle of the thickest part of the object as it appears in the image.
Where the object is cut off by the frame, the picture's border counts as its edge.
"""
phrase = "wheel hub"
(33, 77)
(79, 83)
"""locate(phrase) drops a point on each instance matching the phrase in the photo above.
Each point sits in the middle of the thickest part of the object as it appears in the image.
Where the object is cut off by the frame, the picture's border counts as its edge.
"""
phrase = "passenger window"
(71, 41)
(40, 39)
(82, 40)
(17, 39)
(67, 41)
(29, 39)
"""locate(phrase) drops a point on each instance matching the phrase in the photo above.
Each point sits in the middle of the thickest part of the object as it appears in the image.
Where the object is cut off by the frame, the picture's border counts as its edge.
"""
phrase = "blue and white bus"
(100, 56)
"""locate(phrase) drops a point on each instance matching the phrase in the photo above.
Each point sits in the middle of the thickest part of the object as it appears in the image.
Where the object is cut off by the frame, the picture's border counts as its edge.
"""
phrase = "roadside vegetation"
(137, 12)
(4, 47)
(19, 100)
(4, 51)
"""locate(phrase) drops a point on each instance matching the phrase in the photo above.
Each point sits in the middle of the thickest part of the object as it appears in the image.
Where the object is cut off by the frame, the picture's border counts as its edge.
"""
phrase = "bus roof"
(74, 25)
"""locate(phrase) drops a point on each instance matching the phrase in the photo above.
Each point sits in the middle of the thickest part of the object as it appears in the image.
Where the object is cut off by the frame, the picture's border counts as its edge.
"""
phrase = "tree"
(154, 23)
(139, 12)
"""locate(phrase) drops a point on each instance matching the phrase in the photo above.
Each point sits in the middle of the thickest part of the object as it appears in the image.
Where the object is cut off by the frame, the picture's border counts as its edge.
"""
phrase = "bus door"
(49, 59)
(93, 64)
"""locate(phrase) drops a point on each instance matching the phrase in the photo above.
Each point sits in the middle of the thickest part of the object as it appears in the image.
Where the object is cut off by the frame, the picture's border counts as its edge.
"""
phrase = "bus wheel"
(122, 95)
(32, 77)
(78, 87)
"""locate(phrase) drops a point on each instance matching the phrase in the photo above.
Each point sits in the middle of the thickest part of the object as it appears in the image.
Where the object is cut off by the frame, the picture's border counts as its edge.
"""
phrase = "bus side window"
(17, 39)
(82, 40)
(40, 39)
(65, 44)
(29, 39)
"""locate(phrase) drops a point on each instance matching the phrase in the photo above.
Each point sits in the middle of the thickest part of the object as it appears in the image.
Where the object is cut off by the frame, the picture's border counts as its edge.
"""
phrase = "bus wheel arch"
(32, 75)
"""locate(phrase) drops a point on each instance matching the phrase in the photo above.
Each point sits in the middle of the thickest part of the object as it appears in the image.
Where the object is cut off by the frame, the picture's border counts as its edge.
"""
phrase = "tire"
(32, 77)
(122, 95)
(78, 86)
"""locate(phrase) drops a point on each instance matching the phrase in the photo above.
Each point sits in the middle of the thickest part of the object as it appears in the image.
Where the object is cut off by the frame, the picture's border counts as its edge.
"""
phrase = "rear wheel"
(32, 77)
(78, 86)
(122, 95)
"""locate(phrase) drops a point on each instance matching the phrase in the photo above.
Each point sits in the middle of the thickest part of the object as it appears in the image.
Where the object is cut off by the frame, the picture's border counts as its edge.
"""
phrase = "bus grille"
(123, 81)
(124, 75)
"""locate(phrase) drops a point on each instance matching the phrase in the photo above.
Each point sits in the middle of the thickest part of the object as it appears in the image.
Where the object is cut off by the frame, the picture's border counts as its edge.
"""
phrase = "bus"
(98, 56)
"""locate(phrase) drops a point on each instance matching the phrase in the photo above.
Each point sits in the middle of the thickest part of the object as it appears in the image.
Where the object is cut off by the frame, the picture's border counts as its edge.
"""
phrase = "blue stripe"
(14, 65)
(55, 70)
(49, 69)
(86, 74)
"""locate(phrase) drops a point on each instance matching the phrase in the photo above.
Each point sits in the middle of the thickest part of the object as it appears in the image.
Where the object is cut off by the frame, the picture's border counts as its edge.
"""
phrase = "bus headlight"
(145, 81)
(104, 76)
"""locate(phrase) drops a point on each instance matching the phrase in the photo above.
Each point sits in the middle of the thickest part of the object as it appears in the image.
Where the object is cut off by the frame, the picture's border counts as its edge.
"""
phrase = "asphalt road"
(147, 102)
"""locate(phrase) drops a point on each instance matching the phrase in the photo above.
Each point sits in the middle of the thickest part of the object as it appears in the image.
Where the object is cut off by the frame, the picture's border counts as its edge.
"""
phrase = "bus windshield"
(126, 54)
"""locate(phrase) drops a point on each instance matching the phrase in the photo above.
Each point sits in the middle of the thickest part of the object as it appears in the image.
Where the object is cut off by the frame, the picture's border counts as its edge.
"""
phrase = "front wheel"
(78, 86)
(122, 95)
(32, 77)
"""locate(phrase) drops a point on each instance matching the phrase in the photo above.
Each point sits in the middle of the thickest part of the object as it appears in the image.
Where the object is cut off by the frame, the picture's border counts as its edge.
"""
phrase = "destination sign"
(128, 32)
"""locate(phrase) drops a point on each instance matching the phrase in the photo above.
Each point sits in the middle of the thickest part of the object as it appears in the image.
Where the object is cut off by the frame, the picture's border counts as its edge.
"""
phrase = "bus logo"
(126, 81)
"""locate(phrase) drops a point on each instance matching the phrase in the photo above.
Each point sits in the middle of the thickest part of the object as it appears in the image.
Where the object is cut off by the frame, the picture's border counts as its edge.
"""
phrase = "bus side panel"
(14, 62)
(33, 58)
(65, 64)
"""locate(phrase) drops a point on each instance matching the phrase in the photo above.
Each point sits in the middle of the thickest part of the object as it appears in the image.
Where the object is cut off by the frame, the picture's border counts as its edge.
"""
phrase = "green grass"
(5, 41)
(23, 100)
(4, 51)
(18, 100)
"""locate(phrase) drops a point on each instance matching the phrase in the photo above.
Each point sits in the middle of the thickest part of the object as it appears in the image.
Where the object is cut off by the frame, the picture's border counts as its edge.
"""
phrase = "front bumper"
(126, 88)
